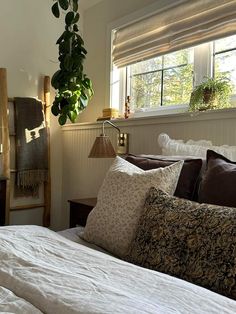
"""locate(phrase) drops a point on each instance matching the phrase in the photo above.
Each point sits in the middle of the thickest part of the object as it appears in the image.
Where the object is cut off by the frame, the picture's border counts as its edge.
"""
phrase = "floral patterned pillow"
(112, 223)
(191, 241)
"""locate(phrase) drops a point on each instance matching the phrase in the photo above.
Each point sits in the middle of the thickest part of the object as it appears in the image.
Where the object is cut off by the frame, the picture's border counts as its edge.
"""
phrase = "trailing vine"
(73, 87)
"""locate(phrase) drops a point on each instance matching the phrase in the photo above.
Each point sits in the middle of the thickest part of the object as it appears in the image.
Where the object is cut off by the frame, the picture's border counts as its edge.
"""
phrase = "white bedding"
(73, 234)
(56, 275)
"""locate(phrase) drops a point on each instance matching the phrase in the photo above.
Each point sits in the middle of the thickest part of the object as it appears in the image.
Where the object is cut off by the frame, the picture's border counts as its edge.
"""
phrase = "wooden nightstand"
(79, 210)
(2, 201)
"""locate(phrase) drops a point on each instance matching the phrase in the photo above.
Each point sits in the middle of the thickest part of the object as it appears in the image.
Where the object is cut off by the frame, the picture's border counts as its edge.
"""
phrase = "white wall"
(28, 32)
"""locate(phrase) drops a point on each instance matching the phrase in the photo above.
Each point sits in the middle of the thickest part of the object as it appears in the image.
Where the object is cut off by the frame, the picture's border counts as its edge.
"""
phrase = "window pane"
(115, 88)
(225, 65)
(145, 80)
(115, 97)
(146, 90)
(225, 43)
(178, 58)
(177, 85)
(146, 66)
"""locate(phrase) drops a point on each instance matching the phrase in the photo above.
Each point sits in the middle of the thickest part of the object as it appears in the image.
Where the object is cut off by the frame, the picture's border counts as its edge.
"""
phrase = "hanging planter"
(213, 93)
(73, 87)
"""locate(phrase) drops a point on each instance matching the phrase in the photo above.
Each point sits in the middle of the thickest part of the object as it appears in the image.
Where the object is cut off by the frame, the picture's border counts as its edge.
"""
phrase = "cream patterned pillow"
(113, 222)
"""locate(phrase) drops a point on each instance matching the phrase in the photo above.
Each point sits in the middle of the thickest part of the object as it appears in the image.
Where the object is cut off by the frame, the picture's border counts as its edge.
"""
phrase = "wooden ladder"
(6, 165)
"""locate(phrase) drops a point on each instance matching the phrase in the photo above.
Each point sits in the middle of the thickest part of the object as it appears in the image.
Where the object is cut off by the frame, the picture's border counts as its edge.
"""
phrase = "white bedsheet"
(10, 303)
(73, 234)
(57, 276)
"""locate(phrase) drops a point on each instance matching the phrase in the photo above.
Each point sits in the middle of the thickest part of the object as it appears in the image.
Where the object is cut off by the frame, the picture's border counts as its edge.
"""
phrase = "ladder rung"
(23, 207)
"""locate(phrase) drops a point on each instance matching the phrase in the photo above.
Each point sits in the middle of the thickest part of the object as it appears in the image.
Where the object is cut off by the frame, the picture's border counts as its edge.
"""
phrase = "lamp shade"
(102, 148)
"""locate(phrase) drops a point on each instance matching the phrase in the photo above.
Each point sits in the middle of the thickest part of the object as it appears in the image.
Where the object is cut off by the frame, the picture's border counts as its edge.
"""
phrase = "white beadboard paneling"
(83, 176)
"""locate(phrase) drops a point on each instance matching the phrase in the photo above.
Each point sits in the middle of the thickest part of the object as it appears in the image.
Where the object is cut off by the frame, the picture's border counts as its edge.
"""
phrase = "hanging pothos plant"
(73, 88)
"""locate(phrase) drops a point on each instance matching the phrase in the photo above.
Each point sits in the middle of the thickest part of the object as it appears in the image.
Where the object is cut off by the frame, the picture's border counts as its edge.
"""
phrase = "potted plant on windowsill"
(73, 87)
(213, 93)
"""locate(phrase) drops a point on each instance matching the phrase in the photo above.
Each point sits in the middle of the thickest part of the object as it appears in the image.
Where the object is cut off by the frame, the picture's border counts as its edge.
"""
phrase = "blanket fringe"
(31, 178)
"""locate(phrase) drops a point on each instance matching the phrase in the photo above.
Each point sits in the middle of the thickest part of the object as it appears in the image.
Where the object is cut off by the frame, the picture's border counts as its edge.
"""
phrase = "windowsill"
(160, 111)
(177, 109)
(184, 116)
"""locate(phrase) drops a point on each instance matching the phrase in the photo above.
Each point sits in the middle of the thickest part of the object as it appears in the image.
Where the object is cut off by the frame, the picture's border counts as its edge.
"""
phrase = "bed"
(78, 271)
(46, 272)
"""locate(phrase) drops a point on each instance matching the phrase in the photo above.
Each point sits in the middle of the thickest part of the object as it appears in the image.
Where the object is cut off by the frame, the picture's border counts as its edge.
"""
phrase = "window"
(161, 81)
(167, 81)
(224, 54)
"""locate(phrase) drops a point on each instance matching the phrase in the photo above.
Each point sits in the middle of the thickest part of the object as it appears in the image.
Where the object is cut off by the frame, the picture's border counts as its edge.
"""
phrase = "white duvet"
(41, 271)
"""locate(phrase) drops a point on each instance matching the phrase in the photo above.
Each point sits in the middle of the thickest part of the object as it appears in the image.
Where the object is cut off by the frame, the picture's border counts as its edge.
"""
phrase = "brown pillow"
(218, 185)
(192, 241)
(189, 175)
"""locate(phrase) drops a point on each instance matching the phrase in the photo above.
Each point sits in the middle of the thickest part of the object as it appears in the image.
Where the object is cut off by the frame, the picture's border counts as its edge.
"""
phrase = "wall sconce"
(102, 147)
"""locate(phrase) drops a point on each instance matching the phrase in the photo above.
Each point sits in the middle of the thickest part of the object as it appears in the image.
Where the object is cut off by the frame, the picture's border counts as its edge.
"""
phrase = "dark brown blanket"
(31, 145)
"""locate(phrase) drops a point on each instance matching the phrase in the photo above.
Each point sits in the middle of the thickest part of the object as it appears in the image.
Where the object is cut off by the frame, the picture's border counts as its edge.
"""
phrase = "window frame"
(201, 69)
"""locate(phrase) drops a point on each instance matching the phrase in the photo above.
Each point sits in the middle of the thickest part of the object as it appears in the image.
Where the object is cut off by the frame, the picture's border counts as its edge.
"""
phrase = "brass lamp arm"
(109, 122)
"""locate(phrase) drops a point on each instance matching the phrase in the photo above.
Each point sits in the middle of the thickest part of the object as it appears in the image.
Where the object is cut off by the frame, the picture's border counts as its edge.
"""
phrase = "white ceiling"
(85, 4)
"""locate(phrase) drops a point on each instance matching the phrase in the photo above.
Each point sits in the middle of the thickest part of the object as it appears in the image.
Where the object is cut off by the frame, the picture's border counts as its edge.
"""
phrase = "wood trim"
(47, 185)
(172, 118)
(5, 137)
(25, 207)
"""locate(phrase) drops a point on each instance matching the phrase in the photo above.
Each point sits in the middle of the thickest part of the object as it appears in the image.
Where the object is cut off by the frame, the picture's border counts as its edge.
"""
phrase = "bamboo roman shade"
(189, 23)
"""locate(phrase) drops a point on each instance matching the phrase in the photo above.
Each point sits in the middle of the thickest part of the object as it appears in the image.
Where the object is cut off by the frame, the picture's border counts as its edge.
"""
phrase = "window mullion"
(162, 81)
(123, 87)
(202, 62)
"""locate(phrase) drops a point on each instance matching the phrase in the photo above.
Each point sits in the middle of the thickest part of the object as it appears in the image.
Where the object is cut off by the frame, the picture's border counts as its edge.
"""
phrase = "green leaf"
(68, 35)
(64, 4)
(83, 102)
(56, 79)
(73, 116)
(75, 28)
(69, 18)
(55, 10)
(60, 39)
(75, 5)
(55, 110)
(65, 110)
(73, 99)
(87, 83)
(84, 50)
(76, 19)
(68, 62)
(80, 39)
(62, 119)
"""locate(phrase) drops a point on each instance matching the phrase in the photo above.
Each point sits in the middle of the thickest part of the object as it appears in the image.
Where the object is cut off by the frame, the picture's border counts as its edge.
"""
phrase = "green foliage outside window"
(162, 81)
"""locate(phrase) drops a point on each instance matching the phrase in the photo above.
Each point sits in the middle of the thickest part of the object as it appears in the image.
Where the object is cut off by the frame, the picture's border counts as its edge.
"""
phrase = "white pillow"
(112, 223)
(172, 147)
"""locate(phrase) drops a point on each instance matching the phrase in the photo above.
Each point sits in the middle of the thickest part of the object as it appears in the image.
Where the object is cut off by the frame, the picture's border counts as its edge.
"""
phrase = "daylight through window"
(167, 81)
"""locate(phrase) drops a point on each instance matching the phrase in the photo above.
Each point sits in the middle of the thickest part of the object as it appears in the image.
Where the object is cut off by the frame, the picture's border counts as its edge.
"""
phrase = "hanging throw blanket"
(31, 145)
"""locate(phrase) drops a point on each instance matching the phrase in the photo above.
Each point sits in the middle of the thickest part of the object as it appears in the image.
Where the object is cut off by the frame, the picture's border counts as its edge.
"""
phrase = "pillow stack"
(189, 176)
(112, 223)
(219, 181)
(137, 218)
